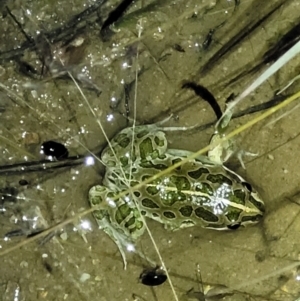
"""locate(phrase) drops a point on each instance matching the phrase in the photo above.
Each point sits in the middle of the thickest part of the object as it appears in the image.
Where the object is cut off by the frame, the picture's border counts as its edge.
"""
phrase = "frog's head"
(246, 208)
(242, 205)
(232, 203)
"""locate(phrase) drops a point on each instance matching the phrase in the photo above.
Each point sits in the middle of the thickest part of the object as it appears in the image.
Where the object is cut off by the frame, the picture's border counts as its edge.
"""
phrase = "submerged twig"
(288, 40)
(235, 40)
(206, 95)
(114, 16)
(67, 31)
(28, 38)
(43, 165)
(223, 122)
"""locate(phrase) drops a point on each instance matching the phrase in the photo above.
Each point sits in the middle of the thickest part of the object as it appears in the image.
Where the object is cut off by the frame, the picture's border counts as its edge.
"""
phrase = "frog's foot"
(223, 150)
(242, 153)
(123, 243)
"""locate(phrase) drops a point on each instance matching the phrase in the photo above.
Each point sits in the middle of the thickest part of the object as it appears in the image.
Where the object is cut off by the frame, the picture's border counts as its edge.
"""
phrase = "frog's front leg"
(221, 149)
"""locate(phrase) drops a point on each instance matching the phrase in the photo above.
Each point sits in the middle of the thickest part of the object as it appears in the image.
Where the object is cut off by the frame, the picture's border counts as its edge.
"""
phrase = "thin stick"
(223, 122)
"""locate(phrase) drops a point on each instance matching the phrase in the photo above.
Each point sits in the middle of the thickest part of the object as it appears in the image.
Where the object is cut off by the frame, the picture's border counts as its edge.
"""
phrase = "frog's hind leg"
(101, 198)
(119, 219)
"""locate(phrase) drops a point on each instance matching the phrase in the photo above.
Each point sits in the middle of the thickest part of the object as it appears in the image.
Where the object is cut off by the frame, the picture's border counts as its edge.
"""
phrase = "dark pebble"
(55, 150)
(153, 277)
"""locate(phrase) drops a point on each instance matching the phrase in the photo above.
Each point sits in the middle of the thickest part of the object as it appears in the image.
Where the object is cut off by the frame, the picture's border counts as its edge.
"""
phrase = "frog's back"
(198, 194)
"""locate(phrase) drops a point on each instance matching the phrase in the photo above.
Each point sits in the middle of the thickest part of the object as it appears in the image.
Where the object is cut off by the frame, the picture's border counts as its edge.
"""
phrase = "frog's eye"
(247, 186)
(234, 226)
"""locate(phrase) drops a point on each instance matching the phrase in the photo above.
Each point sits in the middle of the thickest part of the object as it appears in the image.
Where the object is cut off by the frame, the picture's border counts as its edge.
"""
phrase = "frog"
(199, 192)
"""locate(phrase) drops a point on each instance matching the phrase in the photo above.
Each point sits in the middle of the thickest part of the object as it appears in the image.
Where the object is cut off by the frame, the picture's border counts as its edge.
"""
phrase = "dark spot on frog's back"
(152, 190)
(206, 215)
(145, 177)
(158, 141)
(186, 211)
(176, 161)
(122, 212)
(130, 222)
(169, 214)
(137, 194)
(159, 166)
(181, 183)
(124, 161)
(205, 188)
(149, 203)
(142, 134)
(122, 140)
(238, 197)
(196, 174)
(149, 164)
(100, 214)
(146, 148)
(218, 178)
(233, 215)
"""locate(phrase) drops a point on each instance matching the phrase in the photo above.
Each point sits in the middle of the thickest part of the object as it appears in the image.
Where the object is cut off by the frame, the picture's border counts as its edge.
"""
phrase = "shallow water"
(78, 263)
